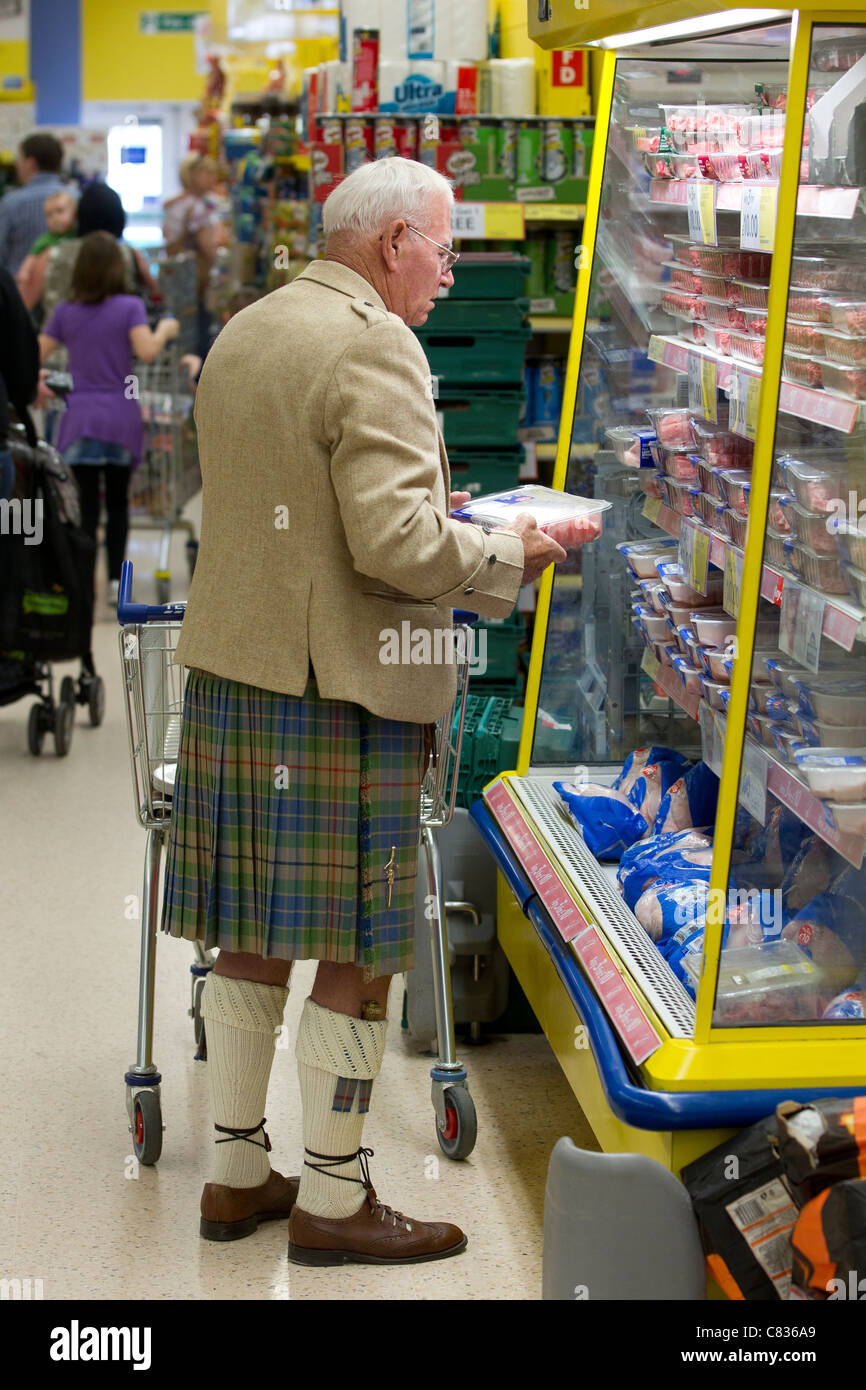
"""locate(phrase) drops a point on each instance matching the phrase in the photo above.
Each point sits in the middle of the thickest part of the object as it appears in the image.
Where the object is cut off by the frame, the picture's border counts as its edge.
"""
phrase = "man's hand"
(459, 499)
(539, 550)
(43, 393)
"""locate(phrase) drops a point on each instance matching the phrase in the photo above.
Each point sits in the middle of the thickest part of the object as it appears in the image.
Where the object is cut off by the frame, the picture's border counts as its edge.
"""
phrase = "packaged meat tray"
(812, 306)
(722, 315)
(766, 699)
(755, 322)
(632, 447)
(720, 448)
(852, 544)
(737, 484)
(805, 337)
(657, 629)
(641, 556)
(714, 627)
(817, 273)
(775, 982)
(683, 278)
(817, 487)
(765, 131)
(725, 259)
(832, 700)
(713, 692)
(736, 526)
(720, 661)
(847, 381)
(848, 315)
(753, 293)
(717, 339)
(776, 546)
(689, 674)
(820, 735)
(709, 477)
(844, 348)
(761, 164)
(684, 636)
(850, 818)
(673, 582)
(761, 727)
(838, 55)
(560, 514)
(805, 371)
(783, 673)
(746, 349)
(721, 167)
(704, 127)
(708, 509)
(672, 427)
(648, 482)
(776, 516)
(815, 529)
(678, 465)
(822, 572)
(787, 744)
(834, 774)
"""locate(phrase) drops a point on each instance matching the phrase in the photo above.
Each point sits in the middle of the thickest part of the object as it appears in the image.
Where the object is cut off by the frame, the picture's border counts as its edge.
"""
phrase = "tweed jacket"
(325, 525)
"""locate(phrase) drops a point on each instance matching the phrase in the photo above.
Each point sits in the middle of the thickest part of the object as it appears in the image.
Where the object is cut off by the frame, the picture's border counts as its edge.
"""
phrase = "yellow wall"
(120, 64)
(15, 62)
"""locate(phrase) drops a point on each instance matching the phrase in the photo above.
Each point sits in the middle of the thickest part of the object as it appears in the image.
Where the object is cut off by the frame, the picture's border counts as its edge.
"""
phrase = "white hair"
(380, 191)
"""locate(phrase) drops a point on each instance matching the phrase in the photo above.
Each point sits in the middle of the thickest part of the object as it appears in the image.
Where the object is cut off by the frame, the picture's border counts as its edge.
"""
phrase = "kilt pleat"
(286, 812)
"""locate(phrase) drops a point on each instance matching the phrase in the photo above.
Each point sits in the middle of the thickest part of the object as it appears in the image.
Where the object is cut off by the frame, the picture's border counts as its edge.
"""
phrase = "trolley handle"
(129, 613)
(460, 616)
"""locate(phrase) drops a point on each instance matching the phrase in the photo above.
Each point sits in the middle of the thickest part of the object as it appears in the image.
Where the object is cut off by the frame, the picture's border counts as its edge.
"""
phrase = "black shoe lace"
(245, 1135)
(331, 1161)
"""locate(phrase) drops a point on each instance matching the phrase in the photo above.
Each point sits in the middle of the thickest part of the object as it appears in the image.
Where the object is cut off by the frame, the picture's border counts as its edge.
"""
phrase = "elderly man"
(295, 831)
(22, 210)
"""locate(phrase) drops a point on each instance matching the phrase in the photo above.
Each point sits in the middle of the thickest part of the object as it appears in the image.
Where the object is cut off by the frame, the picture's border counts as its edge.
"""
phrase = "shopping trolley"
(153, 684)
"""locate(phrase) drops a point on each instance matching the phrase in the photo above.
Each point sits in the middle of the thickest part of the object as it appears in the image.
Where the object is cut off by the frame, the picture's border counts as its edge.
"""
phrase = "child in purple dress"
(103, 330)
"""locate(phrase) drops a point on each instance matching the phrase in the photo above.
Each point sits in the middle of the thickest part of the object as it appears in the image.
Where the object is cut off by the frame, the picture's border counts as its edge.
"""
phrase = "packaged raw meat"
(856, 584)
(666, 907)
(714, 627)
(809, 873)
(690, 800)
(724, 259)
(735, 525)
(722, 168)
(564, 517)
(708, 477)
(737, 485)
(776, 549)
(812, 306)
(852, 543)
(685, 252)
(844, 349)
(752, 293)
(649, 787)
(678, 858)
(847, 381)
(683, 305)
(713, 692)
(641, 556)
(755, 322)
(687, 279)
(835, 774)
(762, 132)
(816, 487)
(849, 817)
(648, 482)
(656, 628)
(848, 315)
(689, 674)
(720, 448)
(605, 817)
(766, 699)
(803, 370)
(817, 273)
(707, 508)
(670, 573)
(822, 572)
(831, 929)
(680, 466)
(775, 982)
(820, 735)
(672, 427)
(724, 316)
(761, 164)
(851, 1003)
(747, 349)
(680, 496)
(838, 54)
(815, 529)
(720, 663)
(805, 337)
(623, 441)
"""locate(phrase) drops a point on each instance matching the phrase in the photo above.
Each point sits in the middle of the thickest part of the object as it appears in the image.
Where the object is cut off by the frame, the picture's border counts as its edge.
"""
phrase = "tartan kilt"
(285, 812)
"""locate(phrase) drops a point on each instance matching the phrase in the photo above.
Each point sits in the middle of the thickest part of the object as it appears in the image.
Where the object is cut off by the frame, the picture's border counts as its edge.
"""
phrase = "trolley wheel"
(68, 691)
(163, 591)
(461, 1124)
(64, 717)
(147, 1127)
(96, 700)
(37, 727)
(197, 1020)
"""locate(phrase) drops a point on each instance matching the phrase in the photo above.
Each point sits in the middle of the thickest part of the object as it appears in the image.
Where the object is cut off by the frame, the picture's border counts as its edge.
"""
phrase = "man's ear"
(392, 242)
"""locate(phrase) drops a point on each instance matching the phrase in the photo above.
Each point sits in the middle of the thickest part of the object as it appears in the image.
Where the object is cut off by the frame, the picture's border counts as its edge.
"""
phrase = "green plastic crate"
(475, 356)
(490, 277)
(502, 642)
(487, 739)
(475, 709)
(482, 472)
(480, 419)
(484, 315)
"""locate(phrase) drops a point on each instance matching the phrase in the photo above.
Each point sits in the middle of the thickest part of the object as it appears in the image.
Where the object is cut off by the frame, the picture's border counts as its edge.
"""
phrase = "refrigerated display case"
(690, 985)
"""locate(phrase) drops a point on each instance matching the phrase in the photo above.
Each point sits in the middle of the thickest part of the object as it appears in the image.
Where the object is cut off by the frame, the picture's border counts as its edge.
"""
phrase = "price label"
(701, 204)
(694, 555)
(467, 219)
(753, 781)
(652, 508)
(801, 623)
(504, 221)
(702, 386)
(656, 350)
(651, 664)
(758, 219)
(733, 581)
(744, 392)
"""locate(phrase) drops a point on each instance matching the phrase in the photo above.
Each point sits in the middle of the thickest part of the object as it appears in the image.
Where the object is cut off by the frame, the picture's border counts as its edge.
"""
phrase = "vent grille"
(673, 1006)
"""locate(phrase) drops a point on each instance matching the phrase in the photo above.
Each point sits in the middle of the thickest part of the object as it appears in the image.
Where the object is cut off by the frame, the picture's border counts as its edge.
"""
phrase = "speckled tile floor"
(75, 1210)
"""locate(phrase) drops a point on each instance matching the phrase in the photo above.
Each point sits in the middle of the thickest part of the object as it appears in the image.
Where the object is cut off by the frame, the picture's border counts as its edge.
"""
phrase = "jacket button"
(470, 590)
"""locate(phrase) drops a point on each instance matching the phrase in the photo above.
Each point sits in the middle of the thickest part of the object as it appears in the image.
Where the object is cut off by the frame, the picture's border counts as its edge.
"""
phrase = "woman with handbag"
(191, 225)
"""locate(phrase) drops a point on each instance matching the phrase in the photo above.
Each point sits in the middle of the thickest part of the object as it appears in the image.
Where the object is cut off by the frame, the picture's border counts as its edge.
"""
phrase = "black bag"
(46, 577)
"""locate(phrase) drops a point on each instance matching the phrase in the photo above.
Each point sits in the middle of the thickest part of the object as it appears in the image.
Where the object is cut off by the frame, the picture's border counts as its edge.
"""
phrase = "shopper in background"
(99, 210)
(296, 810)
(103, 328)
(22, 210)
(191, 225)
(61, 210)
(19, 370)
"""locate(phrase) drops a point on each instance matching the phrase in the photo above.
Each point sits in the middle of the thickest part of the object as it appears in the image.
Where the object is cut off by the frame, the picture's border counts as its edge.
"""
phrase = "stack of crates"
(476, 340)
(491, 735)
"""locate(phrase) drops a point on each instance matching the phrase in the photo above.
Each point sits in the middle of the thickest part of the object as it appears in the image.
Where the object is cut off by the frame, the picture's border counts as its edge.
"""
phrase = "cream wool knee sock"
(338, 1059)
(241, 1018)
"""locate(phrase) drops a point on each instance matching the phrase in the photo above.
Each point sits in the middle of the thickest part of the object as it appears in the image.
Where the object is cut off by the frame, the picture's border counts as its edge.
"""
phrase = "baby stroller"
(46, 593)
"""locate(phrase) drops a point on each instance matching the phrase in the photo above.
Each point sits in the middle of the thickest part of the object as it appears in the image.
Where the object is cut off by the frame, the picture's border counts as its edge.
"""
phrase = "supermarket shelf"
(550, 323)
(794, 793)
(667, 679)
(554, 212)
(805, 402)
(844, 623)
(813, 200)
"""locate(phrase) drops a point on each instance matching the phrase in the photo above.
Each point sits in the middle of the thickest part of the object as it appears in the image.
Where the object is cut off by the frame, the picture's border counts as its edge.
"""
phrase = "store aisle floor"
(75, 1210)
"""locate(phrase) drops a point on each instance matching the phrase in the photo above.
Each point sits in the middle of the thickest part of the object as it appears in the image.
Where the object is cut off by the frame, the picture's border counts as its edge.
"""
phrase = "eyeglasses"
(448, 258)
